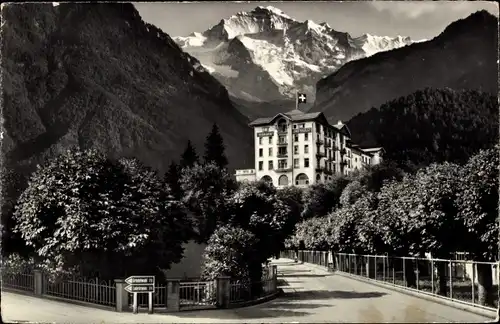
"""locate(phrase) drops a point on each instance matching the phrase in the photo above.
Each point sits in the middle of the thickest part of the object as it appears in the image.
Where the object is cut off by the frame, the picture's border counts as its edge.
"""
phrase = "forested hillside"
(430, 125)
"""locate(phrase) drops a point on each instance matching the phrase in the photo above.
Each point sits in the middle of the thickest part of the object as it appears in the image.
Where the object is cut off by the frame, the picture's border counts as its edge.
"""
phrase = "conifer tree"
(189, 157)
(214, 148)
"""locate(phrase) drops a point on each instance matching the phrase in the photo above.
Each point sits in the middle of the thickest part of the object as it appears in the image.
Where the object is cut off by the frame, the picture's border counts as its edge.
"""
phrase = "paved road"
(311, 295)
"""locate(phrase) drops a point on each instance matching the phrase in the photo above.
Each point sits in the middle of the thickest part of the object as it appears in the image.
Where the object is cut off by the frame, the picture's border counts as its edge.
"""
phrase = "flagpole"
(296, 100)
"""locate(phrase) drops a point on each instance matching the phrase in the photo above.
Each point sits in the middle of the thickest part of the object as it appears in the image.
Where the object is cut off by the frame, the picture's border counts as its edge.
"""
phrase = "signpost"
(141, 285)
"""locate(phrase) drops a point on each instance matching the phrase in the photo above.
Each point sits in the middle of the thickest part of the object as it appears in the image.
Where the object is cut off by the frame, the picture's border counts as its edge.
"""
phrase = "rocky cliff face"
(96, 75)
(463, 56)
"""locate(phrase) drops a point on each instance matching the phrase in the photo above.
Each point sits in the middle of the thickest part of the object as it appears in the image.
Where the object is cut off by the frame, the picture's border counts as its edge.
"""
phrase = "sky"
(417, 19)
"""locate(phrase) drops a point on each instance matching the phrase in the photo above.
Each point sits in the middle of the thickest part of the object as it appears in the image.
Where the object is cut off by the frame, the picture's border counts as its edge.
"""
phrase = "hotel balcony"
(283, 143)
(320, 154)
(320, 169)
(319, 141)
(283, 169)
(282, 155)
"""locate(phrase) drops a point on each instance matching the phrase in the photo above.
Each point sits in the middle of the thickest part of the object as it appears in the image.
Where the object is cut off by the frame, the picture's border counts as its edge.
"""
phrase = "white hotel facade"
(300, 149)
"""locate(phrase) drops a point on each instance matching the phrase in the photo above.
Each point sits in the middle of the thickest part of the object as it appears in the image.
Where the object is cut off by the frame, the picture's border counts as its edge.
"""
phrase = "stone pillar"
(173, 297)
(121, 295)
(223, 288)
(38, 282)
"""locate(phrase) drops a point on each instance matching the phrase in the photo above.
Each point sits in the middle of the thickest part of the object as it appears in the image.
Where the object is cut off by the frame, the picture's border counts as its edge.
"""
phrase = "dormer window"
(282, 125)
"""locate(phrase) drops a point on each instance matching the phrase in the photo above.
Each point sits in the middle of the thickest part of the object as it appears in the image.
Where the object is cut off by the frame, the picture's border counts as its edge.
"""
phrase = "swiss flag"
(301, 98)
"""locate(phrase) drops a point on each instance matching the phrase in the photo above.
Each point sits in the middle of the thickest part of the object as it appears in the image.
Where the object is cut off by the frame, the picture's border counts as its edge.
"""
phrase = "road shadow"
(258, 312)
(330, 294)
(278, 309)
(292, 270)
(284, 305)
(282, 283)
(307, 275)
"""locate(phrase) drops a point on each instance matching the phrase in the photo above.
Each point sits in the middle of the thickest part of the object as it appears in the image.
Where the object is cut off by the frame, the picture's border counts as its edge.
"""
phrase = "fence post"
(38, 282)
(451, 281)
(404, 272)
(432, 276)
(418, 272)
(173, 298)
(121, 295)
(223, 289)
(275, 277)
(384, 258)
(474, 283)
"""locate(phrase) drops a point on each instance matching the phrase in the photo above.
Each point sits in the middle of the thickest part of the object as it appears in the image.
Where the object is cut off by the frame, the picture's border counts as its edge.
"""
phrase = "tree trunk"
(485, 284)
(255, 269)
(441, 287)
(411, 279)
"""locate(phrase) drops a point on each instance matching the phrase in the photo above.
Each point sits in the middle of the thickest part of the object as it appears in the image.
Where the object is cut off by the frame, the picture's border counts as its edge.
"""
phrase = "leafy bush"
(228, 252)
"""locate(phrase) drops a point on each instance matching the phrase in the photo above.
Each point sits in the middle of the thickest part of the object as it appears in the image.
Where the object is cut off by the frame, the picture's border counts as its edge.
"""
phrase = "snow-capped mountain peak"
(265, 55)
(372, 44)
(273, 10)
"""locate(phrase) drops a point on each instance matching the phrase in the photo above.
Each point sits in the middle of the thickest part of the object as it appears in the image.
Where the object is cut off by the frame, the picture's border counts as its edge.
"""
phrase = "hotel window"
(306, 136)
(270, 165)
(282, 151)
(296, 163)
(306, 149)
(260, 140)
(261, 165)
(281, 164)
(295, 126)
(261, 152)
(296, 149)
(306, 163)
(302, 125)
(282, 139)
(270, 151)
(296, 137)
(270, 140)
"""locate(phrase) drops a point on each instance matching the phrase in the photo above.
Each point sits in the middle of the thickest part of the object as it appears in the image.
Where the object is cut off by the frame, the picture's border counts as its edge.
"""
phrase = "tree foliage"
(172, 180)
(227, 253)
(83, 212)
(215, 149)
(320, 199)
(189, 157)
(478, 203)
(207, 191)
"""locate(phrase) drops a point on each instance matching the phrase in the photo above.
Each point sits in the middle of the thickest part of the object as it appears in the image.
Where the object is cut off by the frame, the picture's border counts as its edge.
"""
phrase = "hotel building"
(297, 148)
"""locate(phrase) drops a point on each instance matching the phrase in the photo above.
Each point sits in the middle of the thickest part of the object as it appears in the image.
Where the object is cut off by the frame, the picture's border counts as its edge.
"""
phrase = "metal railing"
(242, 291)
(197, 294)
(239, 292)
(93, 291)
(22, 281)
(159, 298)
(455, 280)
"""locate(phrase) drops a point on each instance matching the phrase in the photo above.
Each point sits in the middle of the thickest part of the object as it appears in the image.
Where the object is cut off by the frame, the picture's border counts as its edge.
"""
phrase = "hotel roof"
(294, 115)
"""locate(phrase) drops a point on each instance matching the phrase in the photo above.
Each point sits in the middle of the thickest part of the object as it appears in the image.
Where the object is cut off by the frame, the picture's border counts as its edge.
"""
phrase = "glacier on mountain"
(266, 55)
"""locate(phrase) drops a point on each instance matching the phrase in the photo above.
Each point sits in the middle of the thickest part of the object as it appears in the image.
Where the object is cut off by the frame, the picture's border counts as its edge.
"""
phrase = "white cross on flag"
(301, 98)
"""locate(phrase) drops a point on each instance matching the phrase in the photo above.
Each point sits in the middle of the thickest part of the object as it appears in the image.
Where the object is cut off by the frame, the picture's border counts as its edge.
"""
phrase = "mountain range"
(264, 55)
(96, 75)
(463, 56)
